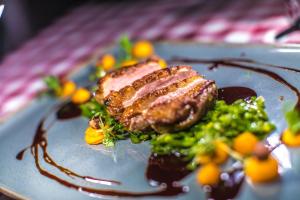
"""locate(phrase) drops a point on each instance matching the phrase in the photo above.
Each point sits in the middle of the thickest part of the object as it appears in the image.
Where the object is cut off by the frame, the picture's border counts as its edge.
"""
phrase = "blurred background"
(23, 19)
(53, 37)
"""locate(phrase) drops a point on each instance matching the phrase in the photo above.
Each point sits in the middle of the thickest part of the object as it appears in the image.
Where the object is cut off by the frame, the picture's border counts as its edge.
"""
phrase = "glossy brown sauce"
(40, 143)
(20, 155)
(166, 169)
(68, 110)
(231, 94)
(236, 63)
(228, 187)
(243, 60)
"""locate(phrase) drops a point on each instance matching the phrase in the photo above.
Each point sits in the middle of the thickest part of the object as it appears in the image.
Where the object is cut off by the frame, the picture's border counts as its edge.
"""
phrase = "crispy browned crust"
(148, 111)
(182, 112)
(117, 73)
(114, 101)
(140, 105)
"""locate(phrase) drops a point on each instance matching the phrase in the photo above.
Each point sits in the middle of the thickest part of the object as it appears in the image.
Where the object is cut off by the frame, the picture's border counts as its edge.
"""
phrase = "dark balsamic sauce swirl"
(228, 187)
(230, 60)
(69, 111)
(231, 94)
(166, 169)
(242, 64)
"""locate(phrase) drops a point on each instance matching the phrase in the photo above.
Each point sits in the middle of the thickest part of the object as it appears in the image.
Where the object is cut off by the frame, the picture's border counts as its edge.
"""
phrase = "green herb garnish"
(98, 72)
(125, 49)
(53, 84)
(293, 120)
(113, 131)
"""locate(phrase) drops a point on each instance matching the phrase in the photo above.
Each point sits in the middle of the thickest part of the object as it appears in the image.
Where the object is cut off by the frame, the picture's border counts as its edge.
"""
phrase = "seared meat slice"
(117, 101)
(187, 108)
(134, 117)
(145, 97)
(118, 79)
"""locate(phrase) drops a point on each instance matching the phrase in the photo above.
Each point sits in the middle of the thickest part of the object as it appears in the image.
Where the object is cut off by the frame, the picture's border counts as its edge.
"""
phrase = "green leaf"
(97, 73)
(125, 48)
(293, 120)
(108, 142)
(53, 84)
(134, 139)
(100, 72)
(113, 131)
(91, 108)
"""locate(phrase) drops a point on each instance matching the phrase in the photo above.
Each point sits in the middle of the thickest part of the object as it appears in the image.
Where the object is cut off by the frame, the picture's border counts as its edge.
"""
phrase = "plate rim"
(12, 194)
(229, 44)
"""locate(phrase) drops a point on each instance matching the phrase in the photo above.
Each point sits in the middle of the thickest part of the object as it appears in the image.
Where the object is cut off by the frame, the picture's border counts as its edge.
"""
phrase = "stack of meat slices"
(145, 97)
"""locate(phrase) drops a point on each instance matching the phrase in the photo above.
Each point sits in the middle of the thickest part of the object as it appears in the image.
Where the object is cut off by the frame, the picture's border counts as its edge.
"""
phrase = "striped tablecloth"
(73, 38)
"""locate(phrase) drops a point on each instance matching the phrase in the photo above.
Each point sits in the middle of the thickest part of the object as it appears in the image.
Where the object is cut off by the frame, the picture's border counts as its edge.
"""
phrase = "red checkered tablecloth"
(73, 38)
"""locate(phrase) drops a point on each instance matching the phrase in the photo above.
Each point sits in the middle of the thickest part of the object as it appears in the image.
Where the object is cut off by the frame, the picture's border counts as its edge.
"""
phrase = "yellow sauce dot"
(290, 139)
(220, 155)
(93, 136)
(107, 62)
(209, 174)
(162, 63)
(128, 63)
(81, 95)
(245, 143)
(260, 171)
(203, 159)
(68, 89)
(142, 49)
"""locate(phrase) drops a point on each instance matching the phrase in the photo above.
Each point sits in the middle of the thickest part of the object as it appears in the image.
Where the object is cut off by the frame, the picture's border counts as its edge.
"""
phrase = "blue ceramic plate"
(127, 162)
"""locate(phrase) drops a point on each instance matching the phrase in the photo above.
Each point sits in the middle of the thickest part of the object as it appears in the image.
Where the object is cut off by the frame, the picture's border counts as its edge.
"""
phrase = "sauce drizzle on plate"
(231, 94)
(40, 142)
(242, 64)
(163, 172)
(228, 187)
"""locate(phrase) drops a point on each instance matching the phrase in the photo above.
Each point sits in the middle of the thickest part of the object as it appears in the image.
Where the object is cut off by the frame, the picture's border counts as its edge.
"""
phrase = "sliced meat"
(118, 79)
(133, 116)
(144, 97)
(187, 108)
(116, 101)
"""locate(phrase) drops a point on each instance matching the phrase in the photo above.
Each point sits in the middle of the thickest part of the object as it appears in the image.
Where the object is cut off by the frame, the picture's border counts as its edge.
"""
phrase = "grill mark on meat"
(116, 80)
(187, 108)
(192, 91)
(140, 105)
(182, 74)
(117, 101)
(175, 94)
(150, 97)
(114, 101)
(164, 100)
